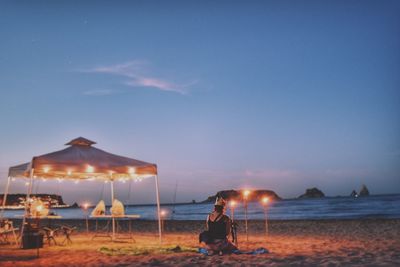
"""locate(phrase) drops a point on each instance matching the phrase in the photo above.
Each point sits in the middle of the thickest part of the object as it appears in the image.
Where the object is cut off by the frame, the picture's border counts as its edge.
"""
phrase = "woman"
(218, 230)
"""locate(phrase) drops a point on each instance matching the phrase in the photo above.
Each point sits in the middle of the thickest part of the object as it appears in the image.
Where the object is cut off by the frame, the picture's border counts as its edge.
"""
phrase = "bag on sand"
(117, 208)
(100, 209)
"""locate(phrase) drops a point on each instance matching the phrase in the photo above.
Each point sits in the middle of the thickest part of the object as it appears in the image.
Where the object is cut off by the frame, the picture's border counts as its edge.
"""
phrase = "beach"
(367, 242)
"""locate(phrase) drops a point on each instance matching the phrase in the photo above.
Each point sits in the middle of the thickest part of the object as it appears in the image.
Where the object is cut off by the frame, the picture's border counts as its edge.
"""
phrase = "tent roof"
(82, 160)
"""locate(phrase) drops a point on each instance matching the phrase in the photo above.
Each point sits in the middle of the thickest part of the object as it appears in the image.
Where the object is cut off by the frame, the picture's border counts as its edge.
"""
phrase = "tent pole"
(26, 202)
(112, 201)
(5, 196)
(158, 208)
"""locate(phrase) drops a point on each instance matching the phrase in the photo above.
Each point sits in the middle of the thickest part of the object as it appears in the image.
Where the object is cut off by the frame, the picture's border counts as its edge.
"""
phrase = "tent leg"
(158, 209)
(5, 196)
(26, 202)
(112, 201)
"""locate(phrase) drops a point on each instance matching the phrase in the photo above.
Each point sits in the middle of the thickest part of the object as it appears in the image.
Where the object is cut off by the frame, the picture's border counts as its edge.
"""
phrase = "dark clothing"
(217, 228)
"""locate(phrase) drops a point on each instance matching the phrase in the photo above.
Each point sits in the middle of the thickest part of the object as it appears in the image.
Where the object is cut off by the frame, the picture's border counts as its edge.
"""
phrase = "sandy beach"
(367, 242)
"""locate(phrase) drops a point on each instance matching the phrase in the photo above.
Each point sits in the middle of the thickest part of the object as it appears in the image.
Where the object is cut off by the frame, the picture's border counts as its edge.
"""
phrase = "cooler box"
(32, 240)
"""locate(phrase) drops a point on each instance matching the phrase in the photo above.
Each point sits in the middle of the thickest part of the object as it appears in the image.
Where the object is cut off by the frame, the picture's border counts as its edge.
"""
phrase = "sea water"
(378, 206)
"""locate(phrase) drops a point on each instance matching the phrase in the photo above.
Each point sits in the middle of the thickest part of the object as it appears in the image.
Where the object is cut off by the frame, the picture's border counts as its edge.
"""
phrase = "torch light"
(246, 194)
(163, 215)
(264, 202)
(85, 209)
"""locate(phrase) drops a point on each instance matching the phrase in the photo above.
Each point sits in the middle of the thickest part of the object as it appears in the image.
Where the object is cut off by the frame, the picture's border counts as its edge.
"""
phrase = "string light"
(89, 168)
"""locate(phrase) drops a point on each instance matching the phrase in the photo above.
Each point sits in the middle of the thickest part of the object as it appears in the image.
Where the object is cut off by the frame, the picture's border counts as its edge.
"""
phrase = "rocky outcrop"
(312, 193)
(19, 199)
(255, 195)
(364, 191)
(354, 193)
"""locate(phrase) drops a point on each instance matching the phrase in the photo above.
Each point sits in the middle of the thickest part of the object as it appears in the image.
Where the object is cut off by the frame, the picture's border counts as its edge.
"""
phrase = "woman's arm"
(228, 226)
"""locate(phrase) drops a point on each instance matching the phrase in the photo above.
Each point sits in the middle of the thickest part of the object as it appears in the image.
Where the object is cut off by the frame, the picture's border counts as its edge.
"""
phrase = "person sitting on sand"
(218, 230)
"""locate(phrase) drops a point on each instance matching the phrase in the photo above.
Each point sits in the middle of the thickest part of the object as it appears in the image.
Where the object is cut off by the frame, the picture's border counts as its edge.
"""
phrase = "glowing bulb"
(69, 172)
(131, 170)
(89, 168)
(265, 200)
(39, 208)
(46, 169)
(232, 203)
(163, 213)
(246, 193)
(85, 205)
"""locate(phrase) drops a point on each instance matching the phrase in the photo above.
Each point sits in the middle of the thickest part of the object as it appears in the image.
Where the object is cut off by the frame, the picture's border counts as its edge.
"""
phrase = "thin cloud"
(136, 74)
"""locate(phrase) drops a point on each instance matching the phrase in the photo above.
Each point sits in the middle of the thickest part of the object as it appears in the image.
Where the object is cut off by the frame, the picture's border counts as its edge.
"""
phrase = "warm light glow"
(265, 200)
(69, 172)
(246, 193)
(232, 203)
(131, 170)
(85, 205)
(89, 168)
(39, 208)
(163, 213)
(46, 169)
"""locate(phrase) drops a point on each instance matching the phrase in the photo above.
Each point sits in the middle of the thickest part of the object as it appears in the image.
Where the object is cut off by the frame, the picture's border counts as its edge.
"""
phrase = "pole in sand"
(246, 194)
(264, 202)
(85, 209)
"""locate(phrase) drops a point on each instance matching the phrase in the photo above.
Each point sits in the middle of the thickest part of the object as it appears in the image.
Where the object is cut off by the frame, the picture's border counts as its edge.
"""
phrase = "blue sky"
(283, 95)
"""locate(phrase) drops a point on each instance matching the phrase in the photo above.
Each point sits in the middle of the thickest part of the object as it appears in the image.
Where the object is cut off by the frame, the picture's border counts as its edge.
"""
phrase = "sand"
(296, 243)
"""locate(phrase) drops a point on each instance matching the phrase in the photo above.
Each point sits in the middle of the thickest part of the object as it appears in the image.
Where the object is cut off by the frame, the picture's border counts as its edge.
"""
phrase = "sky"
(280, 95)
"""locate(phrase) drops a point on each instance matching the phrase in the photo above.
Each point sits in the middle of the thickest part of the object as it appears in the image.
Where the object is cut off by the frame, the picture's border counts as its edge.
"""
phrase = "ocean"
(377, 206)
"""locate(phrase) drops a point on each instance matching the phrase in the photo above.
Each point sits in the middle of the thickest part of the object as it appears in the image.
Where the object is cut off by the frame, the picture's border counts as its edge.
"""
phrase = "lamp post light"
(265, 201)
(85, 208)
(163, 214)
(246, 194)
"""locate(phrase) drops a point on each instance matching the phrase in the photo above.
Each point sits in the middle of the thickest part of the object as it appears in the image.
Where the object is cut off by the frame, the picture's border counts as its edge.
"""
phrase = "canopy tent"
(83, 161)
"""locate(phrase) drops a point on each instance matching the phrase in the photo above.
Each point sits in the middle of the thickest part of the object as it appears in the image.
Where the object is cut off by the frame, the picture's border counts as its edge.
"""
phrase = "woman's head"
(219, 205)
(219, 208)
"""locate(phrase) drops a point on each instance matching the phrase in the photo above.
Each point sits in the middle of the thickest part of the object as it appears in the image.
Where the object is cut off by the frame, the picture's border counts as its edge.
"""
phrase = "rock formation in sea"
(354, 193)
(255, 195)
(19, 199)
(364, 191)
(312, 193)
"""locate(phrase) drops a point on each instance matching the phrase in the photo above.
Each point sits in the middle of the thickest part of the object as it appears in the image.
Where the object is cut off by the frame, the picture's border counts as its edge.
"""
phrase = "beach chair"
(67, 231)
(234, 226)
(6, 228)
(50, 235)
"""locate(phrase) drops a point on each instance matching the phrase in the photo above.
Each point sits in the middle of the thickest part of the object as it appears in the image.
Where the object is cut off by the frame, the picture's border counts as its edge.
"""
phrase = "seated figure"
(218, 230)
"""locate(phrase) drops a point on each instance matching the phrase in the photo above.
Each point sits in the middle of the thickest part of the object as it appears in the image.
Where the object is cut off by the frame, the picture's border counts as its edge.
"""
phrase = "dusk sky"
(281, 95)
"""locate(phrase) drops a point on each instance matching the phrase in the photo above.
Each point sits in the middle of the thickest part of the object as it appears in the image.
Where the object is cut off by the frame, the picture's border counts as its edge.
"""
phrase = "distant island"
(312, 193)
(17, 201)
(255, 195)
